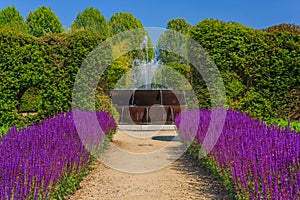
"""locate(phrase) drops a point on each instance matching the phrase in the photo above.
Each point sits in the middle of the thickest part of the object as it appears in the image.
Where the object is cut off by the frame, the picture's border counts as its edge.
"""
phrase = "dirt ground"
(148, 165)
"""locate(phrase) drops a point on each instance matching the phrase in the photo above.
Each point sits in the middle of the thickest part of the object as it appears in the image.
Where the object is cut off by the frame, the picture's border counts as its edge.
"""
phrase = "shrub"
(260, 61)
(49, 64)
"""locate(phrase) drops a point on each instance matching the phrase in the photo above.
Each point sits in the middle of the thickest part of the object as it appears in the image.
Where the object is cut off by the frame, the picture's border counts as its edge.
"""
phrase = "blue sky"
(156, 13)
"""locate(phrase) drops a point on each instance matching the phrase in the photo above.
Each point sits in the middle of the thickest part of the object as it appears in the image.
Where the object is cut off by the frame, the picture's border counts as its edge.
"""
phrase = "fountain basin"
(156, 106)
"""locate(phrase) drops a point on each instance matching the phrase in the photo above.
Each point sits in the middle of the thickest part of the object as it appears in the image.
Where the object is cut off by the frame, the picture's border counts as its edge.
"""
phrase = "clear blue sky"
(156, 13)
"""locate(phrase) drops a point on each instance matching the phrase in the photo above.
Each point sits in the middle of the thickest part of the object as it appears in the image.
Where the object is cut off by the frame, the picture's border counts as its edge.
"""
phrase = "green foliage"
(92, 20)
(123, 21)
(103, 102)
(43, 21)
(38, 74)
(291, 105)
(125, 49)
(3, 131)
(172, 45)
(174, 76)
(182, 69)
(69, 184)
(180, 25)
(233, 85)
(112, 75)
(10, 18)
(200, 89)
(256, 104)
(284, 27)
(260, 69)
(29, 100)
(66, 54)
(293, 125)
(18, 71)
(211, 165)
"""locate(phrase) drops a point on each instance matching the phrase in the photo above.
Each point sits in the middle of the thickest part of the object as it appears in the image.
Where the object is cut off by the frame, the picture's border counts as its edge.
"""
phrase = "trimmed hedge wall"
(48, 66)
(260, 69)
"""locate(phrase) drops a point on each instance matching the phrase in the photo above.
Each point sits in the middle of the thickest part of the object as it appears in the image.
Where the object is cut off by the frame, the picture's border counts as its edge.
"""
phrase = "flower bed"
(260, 161)
(34, 161)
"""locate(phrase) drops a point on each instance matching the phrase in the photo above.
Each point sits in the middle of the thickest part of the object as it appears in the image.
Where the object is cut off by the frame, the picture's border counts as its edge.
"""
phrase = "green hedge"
(38, 74)
(260, 69)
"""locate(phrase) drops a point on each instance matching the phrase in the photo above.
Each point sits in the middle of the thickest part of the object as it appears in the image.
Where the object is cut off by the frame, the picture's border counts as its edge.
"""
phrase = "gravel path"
(155, 171)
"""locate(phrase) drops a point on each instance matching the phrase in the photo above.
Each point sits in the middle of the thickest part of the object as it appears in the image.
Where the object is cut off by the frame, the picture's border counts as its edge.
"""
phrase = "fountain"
(154, 106)
(143, 102)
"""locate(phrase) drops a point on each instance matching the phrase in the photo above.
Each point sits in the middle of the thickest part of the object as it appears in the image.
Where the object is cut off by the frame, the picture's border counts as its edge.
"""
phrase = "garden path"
(163, 178)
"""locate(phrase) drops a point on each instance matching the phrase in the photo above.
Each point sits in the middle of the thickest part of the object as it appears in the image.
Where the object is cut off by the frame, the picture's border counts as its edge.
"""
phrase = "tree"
(180, 25)
(10, 17)
(174, 38)
(122, 21)
(43, 21)
(92, 20)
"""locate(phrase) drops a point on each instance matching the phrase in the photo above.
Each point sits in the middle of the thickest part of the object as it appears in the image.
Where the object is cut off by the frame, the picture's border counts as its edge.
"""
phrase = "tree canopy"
(174, 38)
(43, 21)
(122, 21)
(92, 20)
(180, 25)
(10, 17)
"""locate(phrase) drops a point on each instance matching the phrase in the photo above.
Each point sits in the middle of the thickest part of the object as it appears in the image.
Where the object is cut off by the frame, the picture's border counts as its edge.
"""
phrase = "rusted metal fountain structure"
(156, 106)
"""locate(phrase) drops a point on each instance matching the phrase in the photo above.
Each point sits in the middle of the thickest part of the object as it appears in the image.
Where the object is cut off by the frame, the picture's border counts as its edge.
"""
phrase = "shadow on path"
(206, 185)
(166, 138)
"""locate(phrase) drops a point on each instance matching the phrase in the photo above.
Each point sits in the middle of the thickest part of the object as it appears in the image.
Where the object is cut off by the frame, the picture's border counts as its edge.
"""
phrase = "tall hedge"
(43, 70)
(260, 69)
(48, 64)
